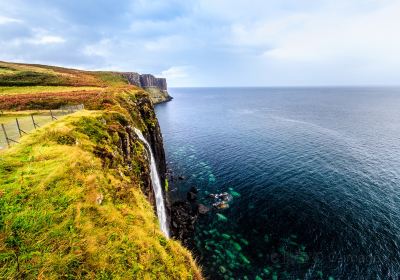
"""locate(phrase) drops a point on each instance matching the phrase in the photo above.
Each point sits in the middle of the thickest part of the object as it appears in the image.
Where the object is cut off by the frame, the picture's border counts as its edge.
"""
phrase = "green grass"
(6, 70)
(29, 78)
(15, 90)
(71, 193)
(51, 222)
(8, 119)
(111, 78)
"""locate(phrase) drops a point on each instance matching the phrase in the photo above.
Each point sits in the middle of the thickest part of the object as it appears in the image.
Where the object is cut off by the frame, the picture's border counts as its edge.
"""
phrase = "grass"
(65, 212)
(5, 70)
(72, 193)
(8, 119)
(43, 89)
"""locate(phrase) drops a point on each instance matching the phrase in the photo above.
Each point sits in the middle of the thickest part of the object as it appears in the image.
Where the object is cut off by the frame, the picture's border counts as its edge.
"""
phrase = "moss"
(95, 128)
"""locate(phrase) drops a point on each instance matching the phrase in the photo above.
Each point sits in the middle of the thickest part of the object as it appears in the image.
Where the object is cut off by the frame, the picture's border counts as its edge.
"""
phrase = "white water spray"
(155, 181)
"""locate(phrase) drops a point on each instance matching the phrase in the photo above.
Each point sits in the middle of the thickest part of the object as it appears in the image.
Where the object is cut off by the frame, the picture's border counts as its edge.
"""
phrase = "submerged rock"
(222, 218)
(226, 236)
(237, 246)
(222, 269)
(230, 254)
(221, 200)
(235, 194)
(191, 196)
(244, 259)
(244, 241)
(202, 209)
(221, 205)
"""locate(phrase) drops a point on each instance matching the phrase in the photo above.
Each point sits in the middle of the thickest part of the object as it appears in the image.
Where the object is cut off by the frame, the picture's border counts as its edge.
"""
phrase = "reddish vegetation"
(24, 75)
(92, 100)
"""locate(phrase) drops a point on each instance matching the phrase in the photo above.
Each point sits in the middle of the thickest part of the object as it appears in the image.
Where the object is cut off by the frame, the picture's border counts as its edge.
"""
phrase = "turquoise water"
(314, 174)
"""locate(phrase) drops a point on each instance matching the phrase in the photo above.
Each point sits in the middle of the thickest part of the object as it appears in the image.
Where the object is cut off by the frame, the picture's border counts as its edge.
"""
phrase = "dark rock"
(202, 209)
(148, 80)
(194, 190)
(184, 219)
(191, 196)
(181, 177)
(156, 87)
(145, 80)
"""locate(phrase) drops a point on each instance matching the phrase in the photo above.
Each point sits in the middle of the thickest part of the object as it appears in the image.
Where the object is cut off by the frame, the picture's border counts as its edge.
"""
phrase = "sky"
(212, 42)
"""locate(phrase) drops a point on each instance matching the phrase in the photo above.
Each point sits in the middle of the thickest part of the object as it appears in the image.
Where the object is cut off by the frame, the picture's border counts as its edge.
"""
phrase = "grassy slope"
(11, 90)
(71, 206)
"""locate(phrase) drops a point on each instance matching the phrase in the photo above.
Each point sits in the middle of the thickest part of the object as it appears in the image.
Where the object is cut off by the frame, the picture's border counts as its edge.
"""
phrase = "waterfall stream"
(157, 189)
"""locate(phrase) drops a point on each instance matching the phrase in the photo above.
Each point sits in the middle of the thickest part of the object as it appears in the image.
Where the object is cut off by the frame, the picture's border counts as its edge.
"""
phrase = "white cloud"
(101, 48)
(5, 20)
(175, 72)
(325, 35)
(165, 43)
(265, 42)
(47, 40)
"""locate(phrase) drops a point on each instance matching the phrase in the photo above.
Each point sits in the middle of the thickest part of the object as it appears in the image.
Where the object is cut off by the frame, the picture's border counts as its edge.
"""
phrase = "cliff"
(76, 198)
(157, 87)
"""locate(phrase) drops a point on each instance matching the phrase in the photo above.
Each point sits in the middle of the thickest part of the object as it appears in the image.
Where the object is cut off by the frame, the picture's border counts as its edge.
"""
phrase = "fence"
(15, 125)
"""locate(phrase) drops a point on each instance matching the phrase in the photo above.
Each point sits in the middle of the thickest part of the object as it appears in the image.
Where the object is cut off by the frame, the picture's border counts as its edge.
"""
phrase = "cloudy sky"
(212, 42)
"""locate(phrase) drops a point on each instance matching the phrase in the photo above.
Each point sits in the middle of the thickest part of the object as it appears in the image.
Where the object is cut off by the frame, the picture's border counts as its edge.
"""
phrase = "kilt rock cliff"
(76, 194)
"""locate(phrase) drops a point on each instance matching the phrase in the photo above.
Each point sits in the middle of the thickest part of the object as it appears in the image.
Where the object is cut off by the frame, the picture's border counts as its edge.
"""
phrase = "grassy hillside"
(31, 87)
(72, 194)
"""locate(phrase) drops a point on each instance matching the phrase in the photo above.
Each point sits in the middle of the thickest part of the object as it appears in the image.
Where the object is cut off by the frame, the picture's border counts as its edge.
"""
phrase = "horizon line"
(295, 86)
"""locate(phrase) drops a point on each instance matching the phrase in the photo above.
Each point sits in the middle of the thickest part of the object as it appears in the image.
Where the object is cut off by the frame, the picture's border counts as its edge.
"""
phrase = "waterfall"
(157, 189)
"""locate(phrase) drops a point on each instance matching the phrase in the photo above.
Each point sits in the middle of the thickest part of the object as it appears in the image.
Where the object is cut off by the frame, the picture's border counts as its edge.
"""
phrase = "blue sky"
(212, 42)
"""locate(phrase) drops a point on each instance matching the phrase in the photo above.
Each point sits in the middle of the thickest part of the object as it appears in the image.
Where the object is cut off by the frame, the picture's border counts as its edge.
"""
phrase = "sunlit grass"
(71, 200)
(8, 119)
(64, 215)
(5, 71)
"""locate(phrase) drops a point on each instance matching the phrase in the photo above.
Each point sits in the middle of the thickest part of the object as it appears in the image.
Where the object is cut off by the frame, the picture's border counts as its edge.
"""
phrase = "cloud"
(210, 43)
(368, 37)
(6, 20)
(47, 40)
(177, 75)
(175, 72)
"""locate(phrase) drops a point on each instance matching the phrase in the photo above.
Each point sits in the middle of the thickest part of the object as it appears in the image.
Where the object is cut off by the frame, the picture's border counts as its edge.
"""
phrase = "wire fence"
(15, 125)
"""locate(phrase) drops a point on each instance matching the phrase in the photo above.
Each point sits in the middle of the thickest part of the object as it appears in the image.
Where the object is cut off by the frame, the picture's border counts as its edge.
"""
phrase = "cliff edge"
(76, 198)
(156, 87)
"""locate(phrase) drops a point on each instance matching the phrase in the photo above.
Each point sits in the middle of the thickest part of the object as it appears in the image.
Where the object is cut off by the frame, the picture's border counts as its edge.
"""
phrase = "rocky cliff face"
(157, 87)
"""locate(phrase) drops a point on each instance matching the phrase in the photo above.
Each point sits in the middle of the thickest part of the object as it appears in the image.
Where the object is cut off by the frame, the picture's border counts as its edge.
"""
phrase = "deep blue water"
(317, 170)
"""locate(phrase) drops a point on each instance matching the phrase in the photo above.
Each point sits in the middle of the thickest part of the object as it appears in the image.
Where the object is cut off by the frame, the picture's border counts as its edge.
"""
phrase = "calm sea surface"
(314, 174)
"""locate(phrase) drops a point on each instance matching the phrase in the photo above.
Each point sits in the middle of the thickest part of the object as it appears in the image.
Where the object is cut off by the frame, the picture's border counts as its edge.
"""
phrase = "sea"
(310, 178)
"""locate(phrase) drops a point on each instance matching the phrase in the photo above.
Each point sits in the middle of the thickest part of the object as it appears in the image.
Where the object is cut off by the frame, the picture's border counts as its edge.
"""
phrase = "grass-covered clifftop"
(75, 197)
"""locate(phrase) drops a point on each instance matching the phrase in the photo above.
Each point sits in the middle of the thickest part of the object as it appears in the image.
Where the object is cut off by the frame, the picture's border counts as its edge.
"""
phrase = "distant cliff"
(157, 87)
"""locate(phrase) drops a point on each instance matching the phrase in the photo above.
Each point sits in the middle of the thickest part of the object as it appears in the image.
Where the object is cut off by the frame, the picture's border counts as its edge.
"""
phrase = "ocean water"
(314, 175)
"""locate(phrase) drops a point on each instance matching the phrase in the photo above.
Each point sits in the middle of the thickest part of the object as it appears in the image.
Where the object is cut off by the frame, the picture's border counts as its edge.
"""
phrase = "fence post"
(34, 123)
(20, 131)
(52, 116)
(5, 135)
